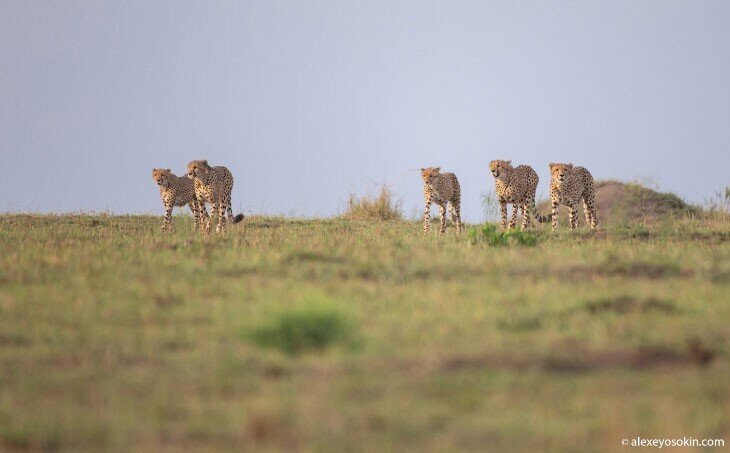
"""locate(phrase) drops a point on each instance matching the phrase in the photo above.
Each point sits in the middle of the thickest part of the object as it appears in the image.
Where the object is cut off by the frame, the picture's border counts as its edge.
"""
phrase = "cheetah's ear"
(551, 165)
(437, 169)
(569, 165)
(509, 162)
(205, 162)
(423, 169)
(169, 170)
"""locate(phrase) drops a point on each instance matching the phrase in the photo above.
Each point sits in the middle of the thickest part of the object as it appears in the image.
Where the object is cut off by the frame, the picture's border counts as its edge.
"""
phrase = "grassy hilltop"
(350, 335)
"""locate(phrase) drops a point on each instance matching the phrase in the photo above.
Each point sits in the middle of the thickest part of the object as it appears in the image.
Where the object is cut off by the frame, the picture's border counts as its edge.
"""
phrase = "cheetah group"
(569, 185)
(201, 184)
(517, 186)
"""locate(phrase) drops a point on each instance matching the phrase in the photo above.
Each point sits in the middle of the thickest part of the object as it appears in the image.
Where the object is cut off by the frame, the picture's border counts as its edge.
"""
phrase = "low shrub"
(312, 328)
(490, 234)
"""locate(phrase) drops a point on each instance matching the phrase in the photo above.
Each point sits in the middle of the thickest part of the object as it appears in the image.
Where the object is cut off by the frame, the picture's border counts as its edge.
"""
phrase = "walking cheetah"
(214, 185)
(441, 188)
(175, 191)
(568, 185)
(516, 185)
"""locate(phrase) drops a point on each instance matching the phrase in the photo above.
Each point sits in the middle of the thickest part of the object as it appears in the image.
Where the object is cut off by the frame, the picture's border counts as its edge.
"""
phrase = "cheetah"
(175, 191)
(441, 188)
(213, 185)
(516, 185)
(568, 185)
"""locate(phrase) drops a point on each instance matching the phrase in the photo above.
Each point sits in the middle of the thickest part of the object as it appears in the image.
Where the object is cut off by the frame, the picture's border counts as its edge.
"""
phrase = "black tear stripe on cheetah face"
(175, 191)
(516, 185)
(442, 189)
(213, 185)
(568, 185)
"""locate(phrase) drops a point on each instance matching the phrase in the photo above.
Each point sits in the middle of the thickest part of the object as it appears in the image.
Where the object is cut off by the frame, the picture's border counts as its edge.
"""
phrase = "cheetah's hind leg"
(589, 208)
(234, 219)
(221, 212)
(526, 220)
(455, 216)
(442, 219)
(452, 211)
(193, 205)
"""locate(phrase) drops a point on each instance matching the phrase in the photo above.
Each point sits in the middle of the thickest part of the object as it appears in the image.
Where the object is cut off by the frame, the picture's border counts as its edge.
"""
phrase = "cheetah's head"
(198, 169)
(500, 168)
(429, 173)
(560, 172)
(162, 176)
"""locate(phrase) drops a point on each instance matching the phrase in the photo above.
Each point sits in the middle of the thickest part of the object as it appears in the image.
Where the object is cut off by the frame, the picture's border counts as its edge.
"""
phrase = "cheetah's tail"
(238, 218)
(540, 218)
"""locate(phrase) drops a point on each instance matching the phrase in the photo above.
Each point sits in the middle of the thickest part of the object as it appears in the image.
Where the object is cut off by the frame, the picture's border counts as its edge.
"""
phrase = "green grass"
(333, 335)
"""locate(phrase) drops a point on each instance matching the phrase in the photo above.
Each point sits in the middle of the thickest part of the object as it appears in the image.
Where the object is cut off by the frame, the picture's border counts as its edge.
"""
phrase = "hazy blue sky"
(308, 101)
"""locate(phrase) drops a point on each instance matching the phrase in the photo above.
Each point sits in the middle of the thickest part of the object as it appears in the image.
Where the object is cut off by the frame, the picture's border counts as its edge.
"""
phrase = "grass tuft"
(381, 206)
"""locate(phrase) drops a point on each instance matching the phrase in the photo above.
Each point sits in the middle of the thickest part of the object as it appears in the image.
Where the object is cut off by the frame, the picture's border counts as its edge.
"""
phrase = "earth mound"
(620, 202)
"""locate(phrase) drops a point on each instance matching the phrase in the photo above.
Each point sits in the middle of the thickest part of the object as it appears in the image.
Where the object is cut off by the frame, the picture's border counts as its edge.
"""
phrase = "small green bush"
(305, 329)
(526, 238)
(491, 235)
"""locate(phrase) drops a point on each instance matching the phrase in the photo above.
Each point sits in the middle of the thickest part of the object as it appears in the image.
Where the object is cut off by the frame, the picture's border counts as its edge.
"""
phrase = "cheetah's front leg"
(427, 217)
(167, 220)
(503, 211)
(213, 212)
(573, 213)
(456, 216)
(554, 212)
(204, 218)
(513, 220)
